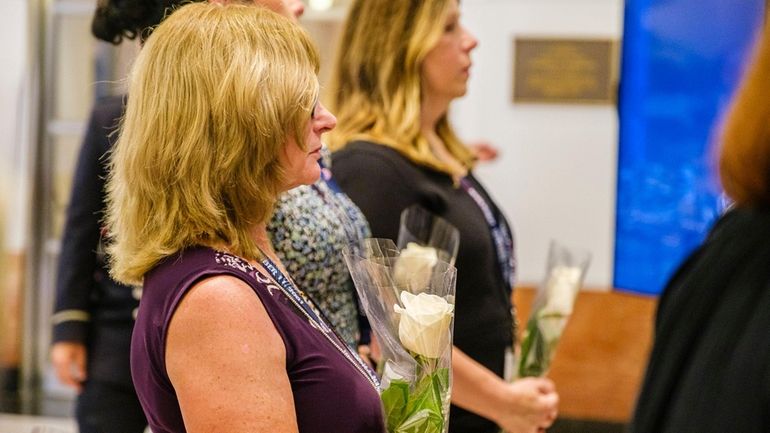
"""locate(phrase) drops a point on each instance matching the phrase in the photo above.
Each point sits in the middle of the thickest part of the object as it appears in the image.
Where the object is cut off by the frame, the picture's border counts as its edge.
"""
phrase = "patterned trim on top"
(242, 265)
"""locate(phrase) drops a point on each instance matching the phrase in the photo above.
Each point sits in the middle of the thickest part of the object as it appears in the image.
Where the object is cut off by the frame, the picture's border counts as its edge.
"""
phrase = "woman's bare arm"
(227, 362)
(525, 406)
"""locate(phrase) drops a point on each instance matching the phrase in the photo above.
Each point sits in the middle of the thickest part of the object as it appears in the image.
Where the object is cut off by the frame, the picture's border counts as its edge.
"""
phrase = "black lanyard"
(501, 234)
(290, 290)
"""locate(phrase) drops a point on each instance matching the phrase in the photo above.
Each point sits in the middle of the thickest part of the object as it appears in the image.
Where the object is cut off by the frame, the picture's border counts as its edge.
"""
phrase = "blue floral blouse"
(310, 227)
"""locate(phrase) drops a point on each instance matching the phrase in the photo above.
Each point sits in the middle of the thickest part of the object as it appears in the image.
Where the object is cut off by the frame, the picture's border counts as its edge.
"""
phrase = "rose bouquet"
(422, 227)
(408, 297)
(551, 308)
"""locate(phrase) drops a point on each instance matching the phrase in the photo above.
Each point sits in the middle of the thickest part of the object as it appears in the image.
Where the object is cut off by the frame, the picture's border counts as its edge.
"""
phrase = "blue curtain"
(681, 62)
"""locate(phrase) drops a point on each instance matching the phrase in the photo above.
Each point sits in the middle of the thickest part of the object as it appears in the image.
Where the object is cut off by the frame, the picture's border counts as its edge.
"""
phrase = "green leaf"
(422, 421)
(427, 401)
(418, 411)
(424, 396)
(441, 379)
(394, 401)
(532, 350)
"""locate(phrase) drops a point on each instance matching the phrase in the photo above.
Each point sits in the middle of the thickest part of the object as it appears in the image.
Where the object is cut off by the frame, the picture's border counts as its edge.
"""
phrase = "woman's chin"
(307, 179)
(314, 175)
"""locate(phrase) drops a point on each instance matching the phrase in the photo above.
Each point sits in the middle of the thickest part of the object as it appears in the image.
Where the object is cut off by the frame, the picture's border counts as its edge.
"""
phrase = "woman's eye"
(450, 27)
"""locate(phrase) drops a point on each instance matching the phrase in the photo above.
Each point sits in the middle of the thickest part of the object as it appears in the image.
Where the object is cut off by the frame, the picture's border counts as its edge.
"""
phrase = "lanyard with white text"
(295, 295)
(291, 290)
(501, 234)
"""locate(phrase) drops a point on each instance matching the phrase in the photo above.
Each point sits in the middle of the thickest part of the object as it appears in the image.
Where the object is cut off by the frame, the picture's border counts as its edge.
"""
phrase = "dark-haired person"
(94, 314)
(402, 64)
(709, 369)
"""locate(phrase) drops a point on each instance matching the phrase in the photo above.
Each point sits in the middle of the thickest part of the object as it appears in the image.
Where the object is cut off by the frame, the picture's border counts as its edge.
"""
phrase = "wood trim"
(600, 361)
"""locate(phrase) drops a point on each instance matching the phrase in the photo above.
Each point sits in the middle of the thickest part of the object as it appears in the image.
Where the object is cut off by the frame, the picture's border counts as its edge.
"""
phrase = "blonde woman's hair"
(376, 84)
(214, 96)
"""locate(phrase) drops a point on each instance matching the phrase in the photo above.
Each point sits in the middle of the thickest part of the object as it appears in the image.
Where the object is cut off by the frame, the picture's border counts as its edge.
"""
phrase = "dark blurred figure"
(709, 371)
(94, 315)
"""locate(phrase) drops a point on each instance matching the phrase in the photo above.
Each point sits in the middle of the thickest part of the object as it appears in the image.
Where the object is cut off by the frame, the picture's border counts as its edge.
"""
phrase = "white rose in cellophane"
(414, 267)
(424, 323)
(561, 289)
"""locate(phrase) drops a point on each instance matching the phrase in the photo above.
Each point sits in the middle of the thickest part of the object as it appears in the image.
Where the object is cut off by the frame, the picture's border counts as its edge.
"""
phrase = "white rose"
(561, 289)
(414, 267)
(424, 323)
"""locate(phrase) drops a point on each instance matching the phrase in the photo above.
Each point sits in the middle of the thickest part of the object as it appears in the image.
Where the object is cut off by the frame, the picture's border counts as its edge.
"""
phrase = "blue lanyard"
(330, 192)
(295, 294)
(501, 234)
(291, 290)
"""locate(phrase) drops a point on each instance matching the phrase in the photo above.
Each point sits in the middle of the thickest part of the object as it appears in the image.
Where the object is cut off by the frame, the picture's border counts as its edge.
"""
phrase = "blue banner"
(681, 62)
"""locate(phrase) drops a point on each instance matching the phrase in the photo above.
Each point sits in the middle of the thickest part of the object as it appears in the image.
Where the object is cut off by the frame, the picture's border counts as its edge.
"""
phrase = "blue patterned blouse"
(310, 227)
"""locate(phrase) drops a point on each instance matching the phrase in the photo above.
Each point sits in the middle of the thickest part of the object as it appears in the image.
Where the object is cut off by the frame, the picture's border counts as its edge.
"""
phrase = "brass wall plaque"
(564, 70)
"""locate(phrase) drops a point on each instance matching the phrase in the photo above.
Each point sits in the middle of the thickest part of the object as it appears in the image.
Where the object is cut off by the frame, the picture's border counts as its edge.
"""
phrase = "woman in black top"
(709, 370)
(401, 64)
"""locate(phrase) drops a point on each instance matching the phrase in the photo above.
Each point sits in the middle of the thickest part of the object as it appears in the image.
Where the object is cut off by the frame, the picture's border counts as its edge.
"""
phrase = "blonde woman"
(94, 315)
(223, 117)
(402, 63)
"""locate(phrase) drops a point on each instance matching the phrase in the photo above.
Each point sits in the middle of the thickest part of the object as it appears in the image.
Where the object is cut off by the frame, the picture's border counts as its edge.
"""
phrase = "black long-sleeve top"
(91, 308)
(383, 182)
(709, 370)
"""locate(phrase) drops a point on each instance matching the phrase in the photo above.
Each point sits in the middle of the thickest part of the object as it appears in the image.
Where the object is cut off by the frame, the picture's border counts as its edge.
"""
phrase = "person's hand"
(365, 352)
(374, 350)
(370, 352)
(484, 151)
(69, 361)
(532, 406)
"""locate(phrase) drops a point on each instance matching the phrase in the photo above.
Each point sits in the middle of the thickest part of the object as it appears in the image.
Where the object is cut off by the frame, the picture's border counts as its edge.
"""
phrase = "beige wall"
(556, 176)
(15, 142)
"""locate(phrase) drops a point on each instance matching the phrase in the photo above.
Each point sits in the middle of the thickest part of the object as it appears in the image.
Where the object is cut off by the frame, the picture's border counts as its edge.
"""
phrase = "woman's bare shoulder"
(223, 354)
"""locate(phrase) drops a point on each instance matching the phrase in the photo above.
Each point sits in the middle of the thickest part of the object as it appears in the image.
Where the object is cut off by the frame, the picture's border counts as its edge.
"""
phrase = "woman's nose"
(324, 119)
(298, 8)
(470, 41)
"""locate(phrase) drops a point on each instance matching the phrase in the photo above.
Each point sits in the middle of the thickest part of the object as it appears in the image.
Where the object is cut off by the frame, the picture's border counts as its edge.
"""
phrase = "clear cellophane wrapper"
(408, 298)
(551, 309)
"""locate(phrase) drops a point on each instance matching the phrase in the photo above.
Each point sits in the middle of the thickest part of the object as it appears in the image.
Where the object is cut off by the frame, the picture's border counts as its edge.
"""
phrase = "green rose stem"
(421, 409)
(536, 352)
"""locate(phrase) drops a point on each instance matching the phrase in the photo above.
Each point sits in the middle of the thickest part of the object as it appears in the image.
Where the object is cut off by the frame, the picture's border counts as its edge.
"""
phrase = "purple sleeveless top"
(330, 394)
